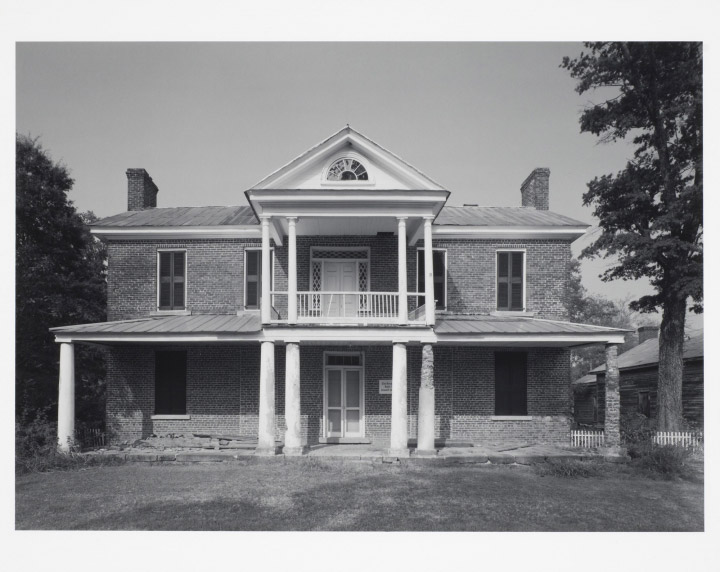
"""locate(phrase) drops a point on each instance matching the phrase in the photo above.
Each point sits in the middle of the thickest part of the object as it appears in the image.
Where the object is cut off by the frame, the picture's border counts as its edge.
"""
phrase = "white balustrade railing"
(354, 307)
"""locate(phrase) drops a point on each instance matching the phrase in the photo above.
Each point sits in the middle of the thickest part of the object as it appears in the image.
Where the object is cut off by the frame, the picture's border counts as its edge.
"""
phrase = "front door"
(340, 277)
(344, 401)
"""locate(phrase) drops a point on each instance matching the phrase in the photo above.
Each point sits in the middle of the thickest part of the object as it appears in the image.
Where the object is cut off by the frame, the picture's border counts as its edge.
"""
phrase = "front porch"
(380, 386)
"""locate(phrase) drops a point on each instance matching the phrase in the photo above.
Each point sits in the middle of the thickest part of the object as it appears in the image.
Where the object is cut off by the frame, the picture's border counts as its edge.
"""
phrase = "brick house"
(638, 382)
(347, 303)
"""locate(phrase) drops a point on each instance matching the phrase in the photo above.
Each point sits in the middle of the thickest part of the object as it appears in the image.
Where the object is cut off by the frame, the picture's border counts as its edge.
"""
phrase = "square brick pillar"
(612, 397)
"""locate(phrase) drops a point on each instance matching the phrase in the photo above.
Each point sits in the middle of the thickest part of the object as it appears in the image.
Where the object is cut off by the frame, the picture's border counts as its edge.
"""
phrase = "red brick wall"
(223, 387)
(215, 273)
(471, 279)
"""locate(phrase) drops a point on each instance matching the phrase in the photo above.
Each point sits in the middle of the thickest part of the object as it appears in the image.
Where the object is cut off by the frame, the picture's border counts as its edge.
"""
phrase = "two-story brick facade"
(346, 304)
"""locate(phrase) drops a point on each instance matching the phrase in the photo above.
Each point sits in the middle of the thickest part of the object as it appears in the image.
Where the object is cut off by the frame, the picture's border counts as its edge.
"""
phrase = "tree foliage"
(651, 212)
(585, 308)
(60, 280)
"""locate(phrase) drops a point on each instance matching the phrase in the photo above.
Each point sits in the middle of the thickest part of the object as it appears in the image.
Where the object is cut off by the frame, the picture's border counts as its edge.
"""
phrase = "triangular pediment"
(348, 160)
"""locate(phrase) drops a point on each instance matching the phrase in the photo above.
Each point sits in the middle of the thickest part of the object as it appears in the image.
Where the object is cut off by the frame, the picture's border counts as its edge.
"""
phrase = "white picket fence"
(587, 439)
(687, 439)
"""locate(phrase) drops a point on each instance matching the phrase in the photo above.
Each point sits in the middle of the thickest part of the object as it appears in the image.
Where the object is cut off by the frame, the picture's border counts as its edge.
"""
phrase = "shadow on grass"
(318, 497)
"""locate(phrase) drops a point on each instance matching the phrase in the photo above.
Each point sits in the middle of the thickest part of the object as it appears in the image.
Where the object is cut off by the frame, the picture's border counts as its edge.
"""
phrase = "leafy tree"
(60, 280)
(585, 308)
(651, 212)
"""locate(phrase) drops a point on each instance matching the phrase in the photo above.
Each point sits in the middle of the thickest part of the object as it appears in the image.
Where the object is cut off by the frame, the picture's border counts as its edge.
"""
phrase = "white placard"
(385, 386)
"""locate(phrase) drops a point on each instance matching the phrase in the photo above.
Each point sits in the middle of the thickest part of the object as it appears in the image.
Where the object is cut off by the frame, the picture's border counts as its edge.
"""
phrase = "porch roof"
(244, 323)
(247, 327)
(491, 324)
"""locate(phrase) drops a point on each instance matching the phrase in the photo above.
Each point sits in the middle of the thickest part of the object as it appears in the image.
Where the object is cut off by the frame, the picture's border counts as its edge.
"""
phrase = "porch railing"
(352, 307)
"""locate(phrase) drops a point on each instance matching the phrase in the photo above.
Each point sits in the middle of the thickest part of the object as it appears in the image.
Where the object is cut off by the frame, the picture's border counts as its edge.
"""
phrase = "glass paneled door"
(344, 401)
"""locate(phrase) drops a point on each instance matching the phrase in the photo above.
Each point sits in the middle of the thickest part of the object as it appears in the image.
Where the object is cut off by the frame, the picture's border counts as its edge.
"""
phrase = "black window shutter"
(172, 281)
(170, 382)
(510, 383)
(503, 261)
(421, 276)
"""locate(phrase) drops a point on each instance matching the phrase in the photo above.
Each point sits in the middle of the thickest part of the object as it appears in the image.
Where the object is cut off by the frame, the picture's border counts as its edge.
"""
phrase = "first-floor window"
(644, 403)
(171, 278)
(439, 276)
(170, 382)
(510, 383)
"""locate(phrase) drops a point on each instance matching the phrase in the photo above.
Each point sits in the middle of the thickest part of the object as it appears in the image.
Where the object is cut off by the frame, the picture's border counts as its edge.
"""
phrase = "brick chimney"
(142, 192)
(535, 190)
(647, 333)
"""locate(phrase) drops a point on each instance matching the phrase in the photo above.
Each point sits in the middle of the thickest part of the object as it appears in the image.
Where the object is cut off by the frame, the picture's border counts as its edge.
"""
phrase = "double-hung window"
(439, 277)
(253, 276)
(511, 280)
(171, 280)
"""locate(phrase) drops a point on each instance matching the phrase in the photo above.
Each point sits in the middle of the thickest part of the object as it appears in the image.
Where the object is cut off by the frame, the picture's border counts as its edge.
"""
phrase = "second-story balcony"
(352, 308)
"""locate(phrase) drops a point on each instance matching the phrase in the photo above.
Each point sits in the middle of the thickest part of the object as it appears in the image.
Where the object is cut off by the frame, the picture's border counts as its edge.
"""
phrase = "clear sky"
(207, 120)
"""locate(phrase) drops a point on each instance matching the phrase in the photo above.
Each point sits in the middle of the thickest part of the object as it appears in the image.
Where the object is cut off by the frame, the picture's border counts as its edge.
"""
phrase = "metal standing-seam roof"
(247, 322)
(646, 354)
(182, 216)
(238, 215)
(512, 325)
(502, 216)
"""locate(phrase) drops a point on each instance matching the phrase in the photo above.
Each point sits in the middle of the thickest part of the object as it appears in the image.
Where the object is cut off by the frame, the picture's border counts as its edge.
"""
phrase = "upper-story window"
(171, 279)
(439, 276)
(253, 276)
(347, 169)
(511, 280)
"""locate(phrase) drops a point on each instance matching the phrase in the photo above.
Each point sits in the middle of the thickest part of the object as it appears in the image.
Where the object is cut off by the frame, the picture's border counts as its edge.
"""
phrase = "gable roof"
(646, 354)
(503, 216)
(344, 139)
(182, 216)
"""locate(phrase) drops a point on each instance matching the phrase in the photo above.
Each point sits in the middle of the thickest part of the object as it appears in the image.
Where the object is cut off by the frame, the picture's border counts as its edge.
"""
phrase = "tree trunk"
(670, 366)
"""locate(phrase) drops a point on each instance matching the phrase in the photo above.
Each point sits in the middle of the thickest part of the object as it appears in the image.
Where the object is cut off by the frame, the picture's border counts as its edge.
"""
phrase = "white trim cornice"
(504, 232)
(175, 232)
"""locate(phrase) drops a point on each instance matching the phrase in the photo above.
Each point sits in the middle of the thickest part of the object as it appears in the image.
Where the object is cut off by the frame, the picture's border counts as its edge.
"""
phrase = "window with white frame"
(253, 276)
(439, 276)
(511, 280)
(172, 283)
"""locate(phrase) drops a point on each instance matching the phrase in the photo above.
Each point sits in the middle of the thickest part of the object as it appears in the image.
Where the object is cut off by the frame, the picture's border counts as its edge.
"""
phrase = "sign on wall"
(385, 386)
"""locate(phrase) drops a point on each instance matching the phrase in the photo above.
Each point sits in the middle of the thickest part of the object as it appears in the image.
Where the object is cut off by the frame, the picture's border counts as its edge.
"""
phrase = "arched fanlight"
(347, 170)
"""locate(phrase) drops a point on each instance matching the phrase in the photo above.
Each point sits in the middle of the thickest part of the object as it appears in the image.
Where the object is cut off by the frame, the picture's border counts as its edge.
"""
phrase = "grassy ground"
(318, 496)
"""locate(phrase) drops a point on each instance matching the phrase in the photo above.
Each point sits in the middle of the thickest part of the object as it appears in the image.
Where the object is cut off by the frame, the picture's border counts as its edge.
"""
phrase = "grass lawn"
(317, 496)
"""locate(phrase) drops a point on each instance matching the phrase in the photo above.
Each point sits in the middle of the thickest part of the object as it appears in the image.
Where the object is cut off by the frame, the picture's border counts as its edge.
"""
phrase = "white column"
(265, 292)
(402, 272)
(292, 271)
(429, 276)
(398, 420)
(293, 437)
(266, 408)
(426, 404)
(66, 397)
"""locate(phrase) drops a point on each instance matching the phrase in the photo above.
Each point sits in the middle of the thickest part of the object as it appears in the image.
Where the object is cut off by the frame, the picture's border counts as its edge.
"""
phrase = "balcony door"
(338, 277)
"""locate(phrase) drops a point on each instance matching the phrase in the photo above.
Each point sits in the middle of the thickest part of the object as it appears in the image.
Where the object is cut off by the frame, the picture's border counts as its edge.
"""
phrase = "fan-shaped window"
(347, 170)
